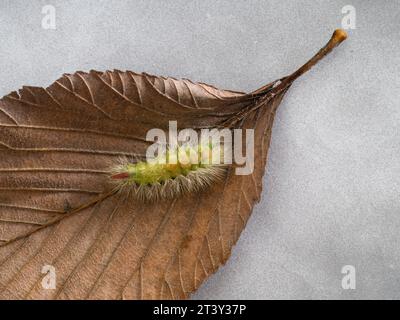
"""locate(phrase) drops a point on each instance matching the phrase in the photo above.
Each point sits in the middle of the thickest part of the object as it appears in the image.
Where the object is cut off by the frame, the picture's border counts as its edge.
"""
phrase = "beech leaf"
(55, 208)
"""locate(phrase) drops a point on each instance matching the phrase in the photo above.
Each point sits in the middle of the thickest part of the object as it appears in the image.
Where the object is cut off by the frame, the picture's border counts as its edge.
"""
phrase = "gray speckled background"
(332, 188)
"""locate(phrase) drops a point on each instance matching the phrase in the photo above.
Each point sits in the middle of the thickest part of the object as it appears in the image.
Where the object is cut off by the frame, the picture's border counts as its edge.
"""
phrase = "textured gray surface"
(331, 192)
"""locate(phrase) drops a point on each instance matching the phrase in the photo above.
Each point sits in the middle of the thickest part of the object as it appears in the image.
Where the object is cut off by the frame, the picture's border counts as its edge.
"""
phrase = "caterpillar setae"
(183, 169)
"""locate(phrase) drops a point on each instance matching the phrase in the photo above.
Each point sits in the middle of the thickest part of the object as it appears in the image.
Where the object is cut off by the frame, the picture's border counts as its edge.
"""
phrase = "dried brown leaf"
(55, 209)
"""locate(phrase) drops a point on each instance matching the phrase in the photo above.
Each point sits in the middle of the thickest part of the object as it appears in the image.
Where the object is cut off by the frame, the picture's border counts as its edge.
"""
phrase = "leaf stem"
(271, 90)
(338, 37)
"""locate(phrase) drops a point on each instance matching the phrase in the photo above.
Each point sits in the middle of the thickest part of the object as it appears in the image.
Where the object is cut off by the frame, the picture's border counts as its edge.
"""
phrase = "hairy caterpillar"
(179, 170)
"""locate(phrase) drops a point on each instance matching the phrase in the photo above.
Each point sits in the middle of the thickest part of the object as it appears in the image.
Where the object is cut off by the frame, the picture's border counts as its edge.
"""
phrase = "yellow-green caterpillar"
(176, 171)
